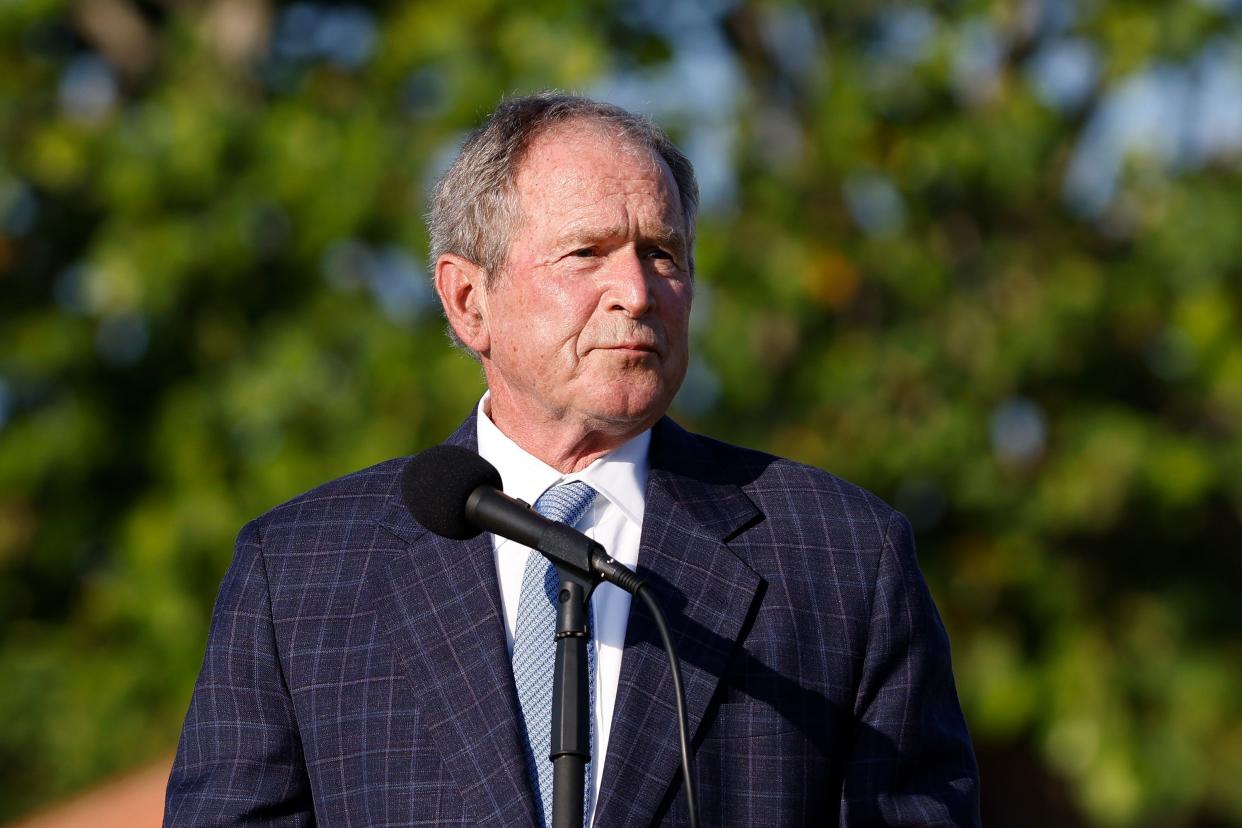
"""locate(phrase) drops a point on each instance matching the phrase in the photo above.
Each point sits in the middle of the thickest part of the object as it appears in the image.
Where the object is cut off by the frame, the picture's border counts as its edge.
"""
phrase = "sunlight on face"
(588, 322)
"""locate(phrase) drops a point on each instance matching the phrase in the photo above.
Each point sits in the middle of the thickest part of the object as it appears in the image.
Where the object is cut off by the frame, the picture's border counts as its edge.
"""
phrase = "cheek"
(540, 332)
(677, 307)
(567, 310)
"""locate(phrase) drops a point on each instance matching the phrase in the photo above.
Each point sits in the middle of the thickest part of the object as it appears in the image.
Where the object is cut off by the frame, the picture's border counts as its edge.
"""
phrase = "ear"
(459, 284)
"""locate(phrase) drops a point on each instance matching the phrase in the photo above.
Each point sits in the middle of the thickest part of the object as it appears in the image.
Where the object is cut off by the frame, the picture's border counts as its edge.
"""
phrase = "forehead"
(579, 165)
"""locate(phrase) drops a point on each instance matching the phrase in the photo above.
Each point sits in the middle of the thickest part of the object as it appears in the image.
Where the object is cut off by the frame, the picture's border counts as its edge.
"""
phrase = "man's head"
(566, 267)
(474, 206)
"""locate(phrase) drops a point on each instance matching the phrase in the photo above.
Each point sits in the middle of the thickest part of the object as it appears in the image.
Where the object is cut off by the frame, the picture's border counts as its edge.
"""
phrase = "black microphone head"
(436, 484)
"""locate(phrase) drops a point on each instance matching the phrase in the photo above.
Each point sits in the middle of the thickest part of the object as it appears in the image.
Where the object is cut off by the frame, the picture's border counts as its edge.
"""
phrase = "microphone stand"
(580, 563)
(571, 698)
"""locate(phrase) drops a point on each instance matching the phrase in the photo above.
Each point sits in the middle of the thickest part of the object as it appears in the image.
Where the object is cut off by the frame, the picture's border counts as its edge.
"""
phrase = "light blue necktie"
(534, 647)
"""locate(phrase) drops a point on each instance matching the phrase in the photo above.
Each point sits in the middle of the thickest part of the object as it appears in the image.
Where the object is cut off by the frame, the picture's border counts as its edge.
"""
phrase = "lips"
(636, 339)
(632, 347)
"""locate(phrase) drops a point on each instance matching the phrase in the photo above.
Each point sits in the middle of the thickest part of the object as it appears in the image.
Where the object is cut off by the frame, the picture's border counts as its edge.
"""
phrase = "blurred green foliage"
(981, 258)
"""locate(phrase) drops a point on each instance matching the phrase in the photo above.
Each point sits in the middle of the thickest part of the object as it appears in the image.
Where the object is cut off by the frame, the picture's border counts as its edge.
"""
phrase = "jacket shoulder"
(359, 495)
(780, 486)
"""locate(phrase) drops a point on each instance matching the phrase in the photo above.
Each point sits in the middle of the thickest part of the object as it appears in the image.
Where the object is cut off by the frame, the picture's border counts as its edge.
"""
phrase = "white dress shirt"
(615, 520)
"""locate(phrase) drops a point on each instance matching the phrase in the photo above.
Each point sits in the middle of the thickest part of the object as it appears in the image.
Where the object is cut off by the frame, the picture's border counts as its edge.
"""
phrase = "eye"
(665, 258)
(584, 252)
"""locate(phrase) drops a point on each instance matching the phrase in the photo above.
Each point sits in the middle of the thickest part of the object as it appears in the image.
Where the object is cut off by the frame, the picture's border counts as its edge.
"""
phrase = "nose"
(629, 288)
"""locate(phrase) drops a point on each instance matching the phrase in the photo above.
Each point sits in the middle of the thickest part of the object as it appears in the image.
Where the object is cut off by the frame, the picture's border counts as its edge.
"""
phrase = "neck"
(566, 447)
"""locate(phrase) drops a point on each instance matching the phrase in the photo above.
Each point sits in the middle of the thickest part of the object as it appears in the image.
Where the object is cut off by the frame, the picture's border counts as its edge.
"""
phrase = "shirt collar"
(620, 475)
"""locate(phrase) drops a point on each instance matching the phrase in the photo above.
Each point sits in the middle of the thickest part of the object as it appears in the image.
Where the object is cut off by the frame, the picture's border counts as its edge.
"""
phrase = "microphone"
(455, 493)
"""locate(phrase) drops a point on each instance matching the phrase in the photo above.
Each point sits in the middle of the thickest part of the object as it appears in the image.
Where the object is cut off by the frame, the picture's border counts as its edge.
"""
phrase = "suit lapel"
(440, 605)
(706, 592)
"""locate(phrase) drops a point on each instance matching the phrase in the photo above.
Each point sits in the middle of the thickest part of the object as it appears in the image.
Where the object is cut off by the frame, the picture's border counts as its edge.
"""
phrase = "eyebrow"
(665, 235)
(668, 236)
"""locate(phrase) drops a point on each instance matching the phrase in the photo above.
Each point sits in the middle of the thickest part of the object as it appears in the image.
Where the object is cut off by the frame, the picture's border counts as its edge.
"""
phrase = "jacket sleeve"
(911, 762)
(239, 761)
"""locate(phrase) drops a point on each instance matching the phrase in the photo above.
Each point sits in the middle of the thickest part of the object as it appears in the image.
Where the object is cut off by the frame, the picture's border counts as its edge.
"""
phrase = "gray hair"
(474, 206)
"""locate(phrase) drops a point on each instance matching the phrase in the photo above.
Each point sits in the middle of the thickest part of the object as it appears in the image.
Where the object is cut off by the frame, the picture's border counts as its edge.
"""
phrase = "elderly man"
(362, 671)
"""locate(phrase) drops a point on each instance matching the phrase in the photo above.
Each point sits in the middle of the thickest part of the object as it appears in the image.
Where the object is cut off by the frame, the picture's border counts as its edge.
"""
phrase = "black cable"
(683, 722)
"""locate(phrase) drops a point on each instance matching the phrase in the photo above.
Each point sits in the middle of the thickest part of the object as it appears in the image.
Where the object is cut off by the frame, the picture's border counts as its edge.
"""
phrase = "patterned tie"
(534, 647)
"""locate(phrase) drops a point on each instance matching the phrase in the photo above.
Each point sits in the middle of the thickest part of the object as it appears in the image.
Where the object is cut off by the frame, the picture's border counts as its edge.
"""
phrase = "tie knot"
(566, 503)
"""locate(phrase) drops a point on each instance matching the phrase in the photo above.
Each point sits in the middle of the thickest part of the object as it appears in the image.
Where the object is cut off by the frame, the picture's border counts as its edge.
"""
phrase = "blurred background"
(982, 258)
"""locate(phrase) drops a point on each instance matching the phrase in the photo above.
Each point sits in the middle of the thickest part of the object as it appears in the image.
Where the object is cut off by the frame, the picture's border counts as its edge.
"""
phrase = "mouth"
(634, 348)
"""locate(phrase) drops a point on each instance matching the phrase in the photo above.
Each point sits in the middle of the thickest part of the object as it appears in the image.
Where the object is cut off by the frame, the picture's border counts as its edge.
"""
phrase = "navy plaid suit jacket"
(357, 673)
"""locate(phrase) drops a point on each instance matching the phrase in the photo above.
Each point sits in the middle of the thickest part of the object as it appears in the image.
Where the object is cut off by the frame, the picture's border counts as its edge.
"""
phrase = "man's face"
(587, 324)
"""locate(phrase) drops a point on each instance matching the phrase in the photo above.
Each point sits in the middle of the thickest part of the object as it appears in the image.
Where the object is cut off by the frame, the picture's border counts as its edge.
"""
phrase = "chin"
(631, 408)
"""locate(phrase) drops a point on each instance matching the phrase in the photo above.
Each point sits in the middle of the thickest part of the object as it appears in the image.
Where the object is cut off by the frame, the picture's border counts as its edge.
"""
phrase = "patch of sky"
(121, 339)
(696, 90)
(1174, 115)
(423, 94)
(902, 34)
(700, 391)
(88, 88)
(84, 290)
(399, 285)
(1063, 72)
(977, 62)
(711, 150)
(1144, 116)
(295, 32)
(439, 162)
(396, 282)
(341, 35)
(793, 38)
(674, 19)
(69, 289)
(874, 203)
(780, 134)
(1018, 431)
(701, 308)
(1214, 122)
(1231, 7)
(1045, 19)
(347, 36)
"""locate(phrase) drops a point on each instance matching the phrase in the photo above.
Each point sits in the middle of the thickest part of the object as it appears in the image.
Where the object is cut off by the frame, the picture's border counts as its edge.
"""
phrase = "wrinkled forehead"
(581, 160)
